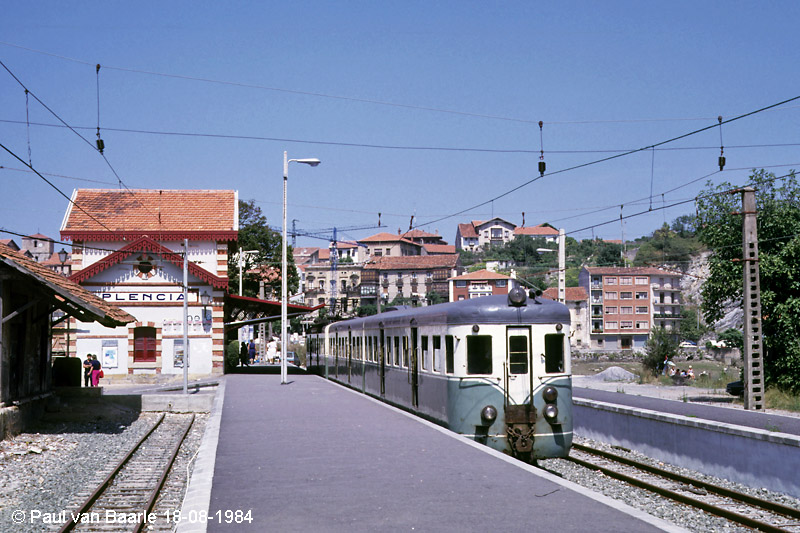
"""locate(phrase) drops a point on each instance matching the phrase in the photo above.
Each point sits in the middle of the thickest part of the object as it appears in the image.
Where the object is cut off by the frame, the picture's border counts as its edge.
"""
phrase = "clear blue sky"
(333, 80)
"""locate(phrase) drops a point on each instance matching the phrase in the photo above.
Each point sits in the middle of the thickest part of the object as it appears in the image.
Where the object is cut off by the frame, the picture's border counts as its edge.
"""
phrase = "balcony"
(670, 316)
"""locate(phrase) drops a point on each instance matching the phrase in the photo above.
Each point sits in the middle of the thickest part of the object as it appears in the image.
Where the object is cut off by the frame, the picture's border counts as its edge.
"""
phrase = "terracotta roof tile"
(151, 212)
(482, 274)
(467, 230)
(63, 288)
(573, 294)
(650, 271)
(412, 262)
(540, 230)
(438, 249)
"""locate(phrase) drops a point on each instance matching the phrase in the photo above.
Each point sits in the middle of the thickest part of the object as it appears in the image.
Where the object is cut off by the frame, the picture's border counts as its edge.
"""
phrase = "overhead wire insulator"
(100, 144)
(721, 159)
(542, 164)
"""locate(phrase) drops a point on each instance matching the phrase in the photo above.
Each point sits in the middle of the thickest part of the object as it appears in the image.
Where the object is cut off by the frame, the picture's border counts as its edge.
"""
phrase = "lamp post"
(284, 266)
(562, 267)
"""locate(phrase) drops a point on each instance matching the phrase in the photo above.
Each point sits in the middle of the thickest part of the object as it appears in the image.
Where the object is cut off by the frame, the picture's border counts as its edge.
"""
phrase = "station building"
(128, 248)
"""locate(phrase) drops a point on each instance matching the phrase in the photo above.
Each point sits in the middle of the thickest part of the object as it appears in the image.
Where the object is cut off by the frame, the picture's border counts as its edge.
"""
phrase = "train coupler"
(520, 438)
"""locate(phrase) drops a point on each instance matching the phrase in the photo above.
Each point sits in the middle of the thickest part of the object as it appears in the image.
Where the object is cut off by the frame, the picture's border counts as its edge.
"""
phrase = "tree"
(256, 235)
(778, 218)
(659, 348)
(691, 328)
(732, 338)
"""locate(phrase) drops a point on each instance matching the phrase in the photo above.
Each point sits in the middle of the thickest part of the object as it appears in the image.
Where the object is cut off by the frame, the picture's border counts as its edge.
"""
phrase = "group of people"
(247, 353)
(670, 369)
(91, 371)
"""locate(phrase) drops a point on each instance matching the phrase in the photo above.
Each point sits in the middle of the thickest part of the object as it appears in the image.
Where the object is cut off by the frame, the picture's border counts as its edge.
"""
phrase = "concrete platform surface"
(314, 456)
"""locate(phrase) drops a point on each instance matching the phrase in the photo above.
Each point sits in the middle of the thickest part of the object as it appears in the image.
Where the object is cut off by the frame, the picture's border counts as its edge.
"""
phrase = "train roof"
(484, 310)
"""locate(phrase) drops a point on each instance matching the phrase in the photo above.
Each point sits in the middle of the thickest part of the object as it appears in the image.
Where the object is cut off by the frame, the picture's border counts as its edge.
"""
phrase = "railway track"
(124, 500)
(735, 506)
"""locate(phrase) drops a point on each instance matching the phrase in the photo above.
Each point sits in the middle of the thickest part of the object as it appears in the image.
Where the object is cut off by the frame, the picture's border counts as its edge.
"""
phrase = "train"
(495, 369)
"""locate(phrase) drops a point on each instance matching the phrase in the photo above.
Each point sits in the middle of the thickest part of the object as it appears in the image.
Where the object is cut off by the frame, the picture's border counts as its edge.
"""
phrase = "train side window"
(405, 351)
(437, 348)
(479, 354)
(518, 354)
(449, 353)
(424, 352)
(554, 353)
(397, 351)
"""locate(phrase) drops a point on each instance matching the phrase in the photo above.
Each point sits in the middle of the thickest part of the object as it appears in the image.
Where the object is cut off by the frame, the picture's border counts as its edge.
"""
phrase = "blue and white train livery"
(495, 369)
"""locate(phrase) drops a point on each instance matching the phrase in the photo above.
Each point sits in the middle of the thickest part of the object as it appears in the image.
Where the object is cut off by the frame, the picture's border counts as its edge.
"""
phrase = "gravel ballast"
(45, 473)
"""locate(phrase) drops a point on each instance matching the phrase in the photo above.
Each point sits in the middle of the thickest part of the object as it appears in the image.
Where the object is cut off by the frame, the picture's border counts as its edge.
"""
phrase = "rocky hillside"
(691, 285)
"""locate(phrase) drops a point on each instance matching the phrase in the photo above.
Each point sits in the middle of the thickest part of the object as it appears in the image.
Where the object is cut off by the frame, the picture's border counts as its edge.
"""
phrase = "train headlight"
(517, 297)
(489, 414)
(550, 412)
(550, 394)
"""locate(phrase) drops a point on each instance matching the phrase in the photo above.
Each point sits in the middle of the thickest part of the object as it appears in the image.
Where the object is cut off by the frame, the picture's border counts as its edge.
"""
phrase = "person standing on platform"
(96, 366)
(244, 355)
(87, 370)
(251, 350)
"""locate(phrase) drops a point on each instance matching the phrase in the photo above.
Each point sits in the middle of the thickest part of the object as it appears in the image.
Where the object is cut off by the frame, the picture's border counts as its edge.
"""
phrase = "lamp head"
(311, 162)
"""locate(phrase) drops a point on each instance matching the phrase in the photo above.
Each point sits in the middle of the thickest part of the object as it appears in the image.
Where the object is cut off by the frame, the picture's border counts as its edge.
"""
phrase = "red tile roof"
(539, 231)
(644, 271)
(482, 274)
(387, 237)
(573, 294)
(467, 230)
(439, 249)
(113, 214)
(419, 234)
(412, 262)
(66, 292)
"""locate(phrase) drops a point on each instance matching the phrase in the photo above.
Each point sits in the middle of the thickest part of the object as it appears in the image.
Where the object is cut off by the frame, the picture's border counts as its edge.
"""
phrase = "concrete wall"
(715, 449)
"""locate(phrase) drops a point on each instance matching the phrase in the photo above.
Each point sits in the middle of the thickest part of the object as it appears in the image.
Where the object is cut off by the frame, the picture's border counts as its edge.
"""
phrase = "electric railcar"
(495, 369)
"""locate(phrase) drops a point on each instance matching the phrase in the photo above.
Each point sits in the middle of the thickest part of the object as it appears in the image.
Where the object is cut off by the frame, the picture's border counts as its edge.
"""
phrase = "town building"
(40, 247)
(412, 278)
(481, 234)
(577, 301)
(479, 283)
(128, 249)
(389, 245)
(626, 303)
(542, 231)
(478, 235)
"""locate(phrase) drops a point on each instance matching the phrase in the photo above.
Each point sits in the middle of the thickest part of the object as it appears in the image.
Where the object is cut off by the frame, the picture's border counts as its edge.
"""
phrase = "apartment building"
(626, 303)
(411, 277)
(578, 304)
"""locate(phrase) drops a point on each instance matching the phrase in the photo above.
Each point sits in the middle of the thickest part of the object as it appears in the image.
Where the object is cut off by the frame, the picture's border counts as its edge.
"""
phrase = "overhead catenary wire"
(350, 98)
(616, 156)
(15, 156)
(240, 137)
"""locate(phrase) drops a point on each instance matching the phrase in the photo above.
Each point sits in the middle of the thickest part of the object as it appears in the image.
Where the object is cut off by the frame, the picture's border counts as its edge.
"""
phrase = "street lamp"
(284, 266)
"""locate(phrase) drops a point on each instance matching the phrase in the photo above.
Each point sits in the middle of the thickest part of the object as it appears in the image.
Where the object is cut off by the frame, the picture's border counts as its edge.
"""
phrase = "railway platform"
(757, 449)
(314, 456)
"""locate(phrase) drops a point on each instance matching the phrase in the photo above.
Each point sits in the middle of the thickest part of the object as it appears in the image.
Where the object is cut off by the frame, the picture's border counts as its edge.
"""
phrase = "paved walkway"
(707, 404)
(314, 456)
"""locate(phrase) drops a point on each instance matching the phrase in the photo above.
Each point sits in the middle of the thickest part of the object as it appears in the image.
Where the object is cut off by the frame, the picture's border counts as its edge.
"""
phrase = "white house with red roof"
(542, 231)
(128, 249)
(479, 283)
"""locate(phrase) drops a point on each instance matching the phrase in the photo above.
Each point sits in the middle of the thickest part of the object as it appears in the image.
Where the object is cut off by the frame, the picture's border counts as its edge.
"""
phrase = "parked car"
(687, 344)
(735, 388)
